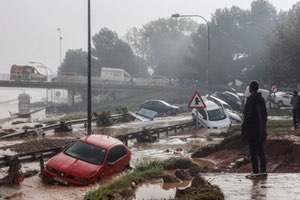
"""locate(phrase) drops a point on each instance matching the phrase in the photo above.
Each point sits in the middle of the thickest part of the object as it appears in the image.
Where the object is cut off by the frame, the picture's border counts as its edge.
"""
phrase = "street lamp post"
(39, 64)
(208, 45)
(89, 61)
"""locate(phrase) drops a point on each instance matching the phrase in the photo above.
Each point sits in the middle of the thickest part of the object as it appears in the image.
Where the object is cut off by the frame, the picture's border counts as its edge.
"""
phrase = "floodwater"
(234, 186)
(277, 186)
(157, 189)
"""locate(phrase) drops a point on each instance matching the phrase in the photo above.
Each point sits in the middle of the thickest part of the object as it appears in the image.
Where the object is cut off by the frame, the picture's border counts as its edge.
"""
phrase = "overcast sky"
(29, 27)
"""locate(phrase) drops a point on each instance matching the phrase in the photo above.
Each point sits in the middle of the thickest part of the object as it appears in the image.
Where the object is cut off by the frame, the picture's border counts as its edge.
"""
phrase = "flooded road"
(235, 186)
(277, 186)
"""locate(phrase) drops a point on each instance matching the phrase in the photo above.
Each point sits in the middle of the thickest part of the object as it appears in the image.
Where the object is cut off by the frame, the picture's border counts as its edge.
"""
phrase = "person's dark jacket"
(255, 118)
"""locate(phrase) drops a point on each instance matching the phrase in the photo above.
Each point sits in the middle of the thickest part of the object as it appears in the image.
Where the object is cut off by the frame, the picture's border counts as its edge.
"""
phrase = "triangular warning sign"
(196, 101)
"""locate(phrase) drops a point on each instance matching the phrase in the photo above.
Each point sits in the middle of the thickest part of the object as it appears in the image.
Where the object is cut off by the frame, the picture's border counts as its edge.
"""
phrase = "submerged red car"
(87, 160)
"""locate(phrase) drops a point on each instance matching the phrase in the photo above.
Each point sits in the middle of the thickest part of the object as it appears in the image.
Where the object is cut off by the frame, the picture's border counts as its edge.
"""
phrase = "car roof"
(156, 100)
(103, 141)
(219, 100)
(232, 94)
(210, 105)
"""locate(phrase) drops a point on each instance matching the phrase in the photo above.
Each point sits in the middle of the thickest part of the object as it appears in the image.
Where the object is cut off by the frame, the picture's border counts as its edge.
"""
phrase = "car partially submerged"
(161, 107)
(211, 117)
(233, 115)
(87, 160)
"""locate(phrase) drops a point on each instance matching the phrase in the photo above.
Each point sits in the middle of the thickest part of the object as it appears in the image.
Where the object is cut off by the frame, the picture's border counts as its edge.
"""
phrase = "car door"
(117, 160)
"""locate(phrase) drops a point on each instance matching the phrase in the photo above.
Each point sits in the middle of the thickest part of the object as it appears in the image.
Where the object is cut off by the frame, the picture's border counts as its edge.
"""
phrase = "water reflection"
(157, 189)
(259, 189)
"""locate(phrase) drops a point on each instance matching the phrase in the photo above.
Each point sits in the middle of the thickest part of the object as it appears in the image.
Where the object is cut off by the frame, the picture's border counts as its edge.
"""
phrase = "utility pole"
(89, 89)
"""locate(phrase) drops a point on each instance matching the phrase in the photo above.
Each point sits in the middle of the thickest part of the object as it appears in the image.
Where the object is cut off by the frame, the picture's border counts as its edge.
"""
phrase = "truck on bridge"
(26, 73)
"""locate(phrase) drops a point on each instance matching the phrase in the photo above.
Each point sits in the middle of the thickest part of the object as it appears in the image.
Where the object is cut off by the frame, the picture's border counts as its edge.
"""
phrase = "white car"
(212, 117)
(282, 99)
(159, 80)
(233, 115)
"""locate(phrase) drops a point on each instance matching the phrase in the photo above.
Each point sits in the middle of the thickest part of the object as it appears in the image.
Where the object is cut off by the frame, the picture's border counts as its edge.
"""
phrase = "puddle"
(277, 186)
(159, 190)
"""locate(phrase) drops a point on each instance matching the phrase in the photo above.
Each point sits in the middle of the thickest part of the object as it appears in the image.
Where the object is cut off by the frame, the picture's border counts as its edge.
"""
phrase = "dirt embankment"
(282, 153)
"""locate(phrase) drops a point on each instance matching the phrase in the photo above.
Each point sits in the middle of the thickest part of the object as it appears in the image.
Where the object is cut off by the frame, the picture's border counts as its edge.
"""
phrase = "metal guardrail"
(32, 156)
(39, 155)
(83, 80)
(52, 127)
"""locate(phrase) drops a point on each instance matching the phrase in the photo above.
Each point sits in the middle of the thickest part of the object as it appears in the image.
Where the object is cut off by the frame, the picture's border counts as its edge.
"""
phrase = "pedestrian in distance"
(254, 130)
(296, 107)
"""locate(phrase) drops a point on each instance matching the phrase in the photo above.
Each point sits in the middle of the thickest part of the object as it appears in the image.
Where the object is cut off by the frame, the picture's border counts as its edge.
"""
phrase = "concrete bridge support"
(71, 95)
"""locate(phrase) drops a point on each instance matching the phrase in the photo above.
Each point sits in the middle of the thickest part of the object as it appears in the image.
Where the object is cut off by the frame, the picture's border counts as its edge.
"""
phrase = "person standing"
(254, 130)
(295, 101)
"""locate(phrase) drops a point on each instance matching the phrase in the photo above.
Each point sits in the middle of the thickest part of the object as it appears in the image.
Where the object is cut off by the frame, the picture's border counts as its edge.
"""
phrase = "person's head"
(253, 86)
(295, 93)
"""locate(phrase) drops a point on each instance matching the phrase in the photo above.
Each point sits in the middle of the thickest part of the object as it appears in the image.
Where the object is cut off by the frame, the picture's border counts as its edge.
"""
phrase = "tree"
(238, 40)
(113, 52)
(285, 50)
(74, 61)
(163, 43)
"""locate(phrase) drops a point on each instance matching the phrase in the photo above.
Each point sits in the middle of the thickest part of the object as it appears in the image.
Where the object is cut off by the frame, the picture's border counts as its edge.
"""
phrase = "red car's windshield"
(86, 152)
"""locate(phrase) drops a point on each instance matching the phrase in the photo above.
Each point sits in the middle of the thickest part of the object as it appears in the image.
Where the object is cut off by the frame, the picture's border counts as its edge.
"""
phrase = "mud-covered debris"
(198, 181)
(194, 171)
(14, 173)
(9, 130)
(38, 145)
(170, 178)
(179, 163)
(146, 136)
(182, 175)
(125, 116)
(17, 122)
(63, 127)
(104, 119)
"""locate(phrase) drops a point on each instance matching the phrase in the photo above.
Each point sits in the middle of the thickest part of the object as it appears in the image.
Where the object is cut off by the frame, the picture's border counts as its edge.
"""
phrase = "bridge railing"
(23, 77)
(83, 80)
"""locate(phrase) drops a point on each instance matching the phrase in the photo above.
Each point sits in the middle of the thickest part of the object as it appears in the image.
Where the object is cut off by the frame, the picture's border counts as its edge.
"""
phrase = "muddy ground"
(282, 154)
(282, 151)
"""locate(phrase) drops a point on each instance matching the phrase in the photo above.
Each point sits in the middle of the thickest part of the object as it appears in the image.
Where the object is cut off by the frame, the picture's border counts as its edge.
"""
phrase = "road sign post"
(196, 102)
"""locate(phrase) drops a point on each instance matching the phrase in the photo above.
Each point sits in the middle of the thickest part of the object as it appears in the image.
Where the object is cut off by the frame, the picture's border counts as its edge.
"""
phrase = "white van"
(115, 74)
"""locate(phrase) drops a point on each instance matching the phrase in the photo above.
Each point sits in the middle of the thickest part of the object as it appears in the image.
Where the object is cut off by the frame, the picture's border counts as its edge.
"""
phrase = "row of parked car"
(222, 109)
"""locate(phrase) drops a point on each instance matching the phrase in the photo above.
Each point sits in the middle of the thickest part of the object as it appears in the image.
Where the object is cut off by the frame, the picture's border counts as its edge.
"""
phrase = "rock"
(182, 192)
(182, 175)
(194, 171)
(133, 185)
(198, 181)
(180, 164)
(178, 149)
(169, 178)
